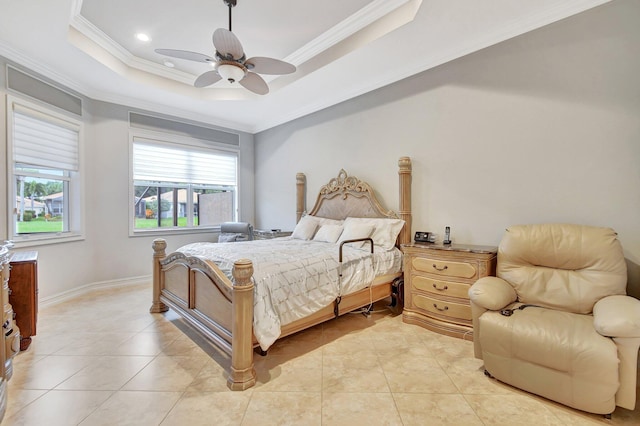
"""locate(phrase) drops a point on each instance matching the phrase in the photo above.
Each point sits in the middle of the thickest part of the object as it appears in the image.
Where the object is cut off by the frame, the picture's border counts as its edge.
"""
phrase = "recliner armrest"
(492, 293)
(617, 316)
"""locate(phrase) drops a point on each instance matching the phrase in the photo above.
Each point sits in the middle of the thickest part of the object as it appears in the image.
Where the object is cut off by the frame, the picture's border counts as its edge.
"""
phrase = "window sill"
(40, 240)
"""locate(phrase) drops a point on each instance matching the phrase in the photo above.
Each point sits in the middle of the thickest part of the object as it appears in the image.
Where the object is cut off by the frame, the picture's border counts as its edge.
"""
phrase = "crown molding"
(85, 28)
(27, 62)
(499, 34)
(91, 93)
(160, 108)
(504, 32)
(354, 23)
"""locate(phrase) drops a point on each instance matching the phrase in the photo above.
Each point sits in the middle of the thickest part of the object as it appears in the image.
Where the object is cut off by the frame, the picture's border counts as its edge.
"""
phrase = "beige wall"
(541, 128)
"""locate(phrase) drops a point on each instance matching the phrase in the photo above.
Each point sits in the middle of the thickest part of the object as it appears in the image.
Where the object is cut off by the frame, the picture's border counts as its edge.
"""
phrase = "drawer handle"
(440, 269)
(446, 308)
(440, 289)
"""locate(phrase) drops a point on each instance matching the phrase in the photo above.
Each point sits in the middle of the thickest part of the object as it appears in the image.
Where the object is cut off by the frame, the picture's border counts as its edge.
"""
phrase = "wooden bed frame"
(222, 309)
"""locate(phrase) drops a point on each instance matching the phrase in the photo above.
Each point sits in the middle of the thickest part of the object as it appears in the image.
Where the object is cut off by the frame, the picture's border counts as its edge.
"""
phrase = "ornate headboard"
(347, 196)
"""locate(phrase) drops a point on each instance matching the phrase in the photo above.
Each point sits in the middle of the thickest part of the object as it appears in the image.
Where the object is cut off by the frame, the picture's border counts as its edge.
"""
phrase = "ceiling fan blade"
(263, 65)
(226, 43)
(255, 83)
(185, 54)
(207, 79)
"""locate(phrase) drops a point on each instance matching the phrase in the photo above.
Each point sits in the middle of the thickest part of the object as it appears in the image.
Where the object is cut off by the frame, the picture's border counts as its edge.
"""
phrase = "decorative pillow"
(305, 229)
(353, 231)
(227, 238)
(328, 233)
(385, 232)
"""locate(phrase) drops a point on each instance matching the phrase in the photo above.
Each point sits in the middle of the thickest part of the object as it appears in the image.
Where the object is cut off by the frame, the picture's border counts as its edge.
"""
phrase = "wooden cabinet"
(436, 284)
(23, 285)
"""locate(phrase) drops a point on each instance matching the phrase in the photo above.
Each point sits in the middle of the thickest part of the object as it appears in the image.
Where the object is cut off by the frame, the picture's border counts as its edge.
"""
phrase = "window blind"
(43, 142)
(156, 162)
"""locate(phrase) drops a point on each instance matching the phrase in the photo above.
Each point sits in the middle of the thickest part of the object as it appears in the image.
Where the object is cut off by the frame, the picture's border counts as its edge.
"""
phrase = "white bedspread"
(295, 278)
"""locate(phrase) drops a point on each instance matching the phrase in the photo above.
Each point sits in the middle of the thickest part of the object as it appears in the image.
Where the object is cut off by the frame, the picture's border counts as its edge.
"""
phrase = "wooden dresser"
(23, 285)
(436, 284)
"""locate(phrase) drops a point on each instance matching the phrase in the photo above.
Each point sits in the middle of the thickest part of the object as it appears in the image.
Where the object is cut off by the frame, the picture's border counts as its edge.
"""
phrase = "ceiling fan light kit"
(231, 63)
(230, 72)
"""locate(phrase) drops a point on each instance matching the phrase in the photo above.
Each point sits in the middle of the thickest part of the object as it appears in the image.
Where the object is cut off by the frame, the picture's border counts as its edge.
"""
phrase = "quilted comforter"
(296, 278)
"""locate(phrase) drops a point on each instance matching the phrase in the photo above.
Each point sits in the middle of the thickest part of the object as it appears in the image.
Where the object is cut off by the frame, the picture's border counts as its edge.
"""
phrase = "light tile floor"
(102, 359)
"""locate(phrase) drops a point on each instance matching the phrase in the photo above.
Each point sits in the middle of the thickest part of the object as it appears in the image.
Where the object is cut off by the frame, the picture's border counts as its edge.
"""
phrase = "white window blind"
(44, 142)
(155, 162)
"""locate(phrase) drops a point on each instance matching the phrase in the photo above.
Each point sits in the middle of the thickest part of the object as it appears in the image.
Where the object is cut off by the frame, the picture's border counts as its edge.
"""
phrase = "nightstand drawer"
(440, 287)
(445, 267)
(439, 307)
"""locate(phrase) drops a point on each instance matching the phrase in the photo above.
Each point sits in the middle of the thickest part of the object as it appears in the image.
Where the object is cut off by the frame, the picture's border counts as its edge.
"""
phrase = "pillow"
(328, 233)
(353, 231)
(304, 233)
(385, 232)
(327, 221)
(227, 238)
(305, 229)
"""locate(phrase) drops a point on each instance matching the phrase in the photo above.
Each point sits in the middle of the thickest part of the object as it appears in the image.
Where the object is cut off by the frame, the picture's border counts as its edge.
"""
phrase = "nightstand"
(267, 234)
(436, 284)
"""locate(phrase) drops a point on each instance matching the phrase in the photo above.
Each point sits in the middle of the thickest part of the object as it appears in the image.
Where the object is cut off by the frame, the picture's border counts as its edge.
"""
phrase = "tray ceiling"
(342, 49)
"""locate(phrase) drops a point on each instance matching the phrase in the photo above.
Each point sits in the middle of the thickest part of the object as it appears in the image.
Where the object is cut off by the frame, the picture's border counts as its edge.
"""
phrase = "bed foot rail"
(242, 375)
(159, 245)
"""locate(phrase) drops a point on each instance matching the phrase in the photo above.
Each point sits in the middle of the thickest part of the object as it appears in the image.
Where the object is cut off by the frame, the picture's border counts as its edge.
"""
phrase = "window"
(44, 171)
(178, 186)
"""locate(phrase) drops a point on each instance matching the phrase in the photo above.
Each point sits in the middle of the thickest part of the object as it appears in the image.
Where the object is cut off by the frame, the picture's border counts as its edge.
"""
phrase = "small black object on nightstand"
(447, 236)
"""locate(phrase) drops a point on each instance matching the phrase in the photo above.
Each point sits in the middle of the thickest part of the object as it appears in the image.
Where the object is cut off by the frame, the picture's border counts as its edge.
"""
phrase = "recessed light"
(169, 64)
(143, 37)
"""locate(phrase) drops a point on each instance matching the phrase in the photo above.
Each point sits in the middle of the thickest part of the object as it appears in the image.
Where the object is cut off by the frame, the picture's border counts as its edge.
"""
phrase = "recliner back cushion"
(562, 266)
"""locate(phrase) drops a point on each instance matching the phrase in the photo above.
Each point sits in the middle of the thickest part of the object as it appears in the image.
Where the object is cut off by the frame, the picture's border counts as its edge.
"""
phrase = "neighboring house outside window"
(181, 184)
(44, 171)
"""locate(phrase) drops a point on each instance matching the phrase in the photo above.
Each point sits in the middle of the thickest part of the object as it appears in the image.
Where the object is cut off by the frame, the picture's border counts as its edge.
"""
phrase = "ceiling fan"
(231, 63)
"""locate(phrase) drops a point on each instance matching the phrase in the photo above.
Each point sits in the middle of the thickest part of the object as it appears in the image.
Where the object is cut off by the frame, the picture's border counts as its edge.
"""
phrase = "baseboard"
(69, 294)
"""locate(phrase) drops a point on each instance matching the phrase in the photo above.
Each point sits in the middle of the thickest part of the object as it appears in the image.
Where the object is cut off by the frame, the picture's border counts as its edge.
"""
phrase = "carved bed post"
(404, 173)
(242, 375)
(301, 182)
(159, 246)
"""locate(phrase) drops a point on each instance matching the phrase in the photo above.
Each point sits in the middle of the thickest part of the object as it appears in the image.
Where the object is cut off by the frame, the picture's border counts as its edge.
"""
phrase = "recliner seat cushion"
(555, 354)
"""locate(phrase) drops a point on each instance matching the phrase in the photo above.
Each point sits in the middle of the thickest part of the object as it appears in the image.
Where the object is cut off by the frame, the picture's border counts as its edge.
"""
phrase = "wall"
(541, 128)
(108, 254)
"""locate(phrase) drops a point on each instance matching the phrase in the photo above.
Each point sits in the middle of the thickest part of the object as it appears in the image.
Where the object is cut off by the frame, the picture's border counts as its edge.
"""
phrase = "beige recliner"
(577, 341)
